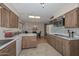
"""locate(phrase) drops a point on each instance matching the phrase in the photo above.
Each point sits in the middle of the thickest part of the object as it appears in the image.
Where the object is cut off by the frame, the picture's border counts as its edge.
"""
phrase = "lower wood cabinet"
(64, 46)
(29, 42)
(9, 50)
(59, 44)
(51, 40)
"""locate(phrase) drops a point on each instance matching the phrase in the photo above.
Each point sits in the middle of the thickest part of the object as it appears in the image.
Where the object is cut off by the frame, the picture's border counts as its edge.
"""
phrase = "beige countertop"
(65, 36)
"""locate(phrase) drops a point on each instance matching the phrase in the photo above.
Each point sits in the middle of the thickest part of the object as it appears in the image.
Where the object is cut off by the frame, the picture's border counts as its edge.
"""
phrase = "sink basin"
(2, 42)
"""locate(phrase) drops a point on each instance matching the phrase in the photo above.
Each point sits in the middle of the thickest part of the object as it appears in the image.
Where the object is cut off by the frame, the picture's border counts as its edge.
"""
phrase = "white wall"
(29, 25)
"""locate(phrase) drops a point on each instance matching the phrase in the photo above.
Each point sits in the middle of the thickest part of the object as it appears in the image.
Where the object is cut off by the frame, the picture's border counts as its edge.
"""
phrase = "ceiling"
(35, 9)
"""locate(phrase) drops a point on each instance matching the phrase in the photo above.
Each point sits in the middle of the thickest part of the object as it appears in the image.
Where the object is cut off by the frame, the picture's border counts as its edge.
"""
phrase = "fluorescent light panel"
(37, 17)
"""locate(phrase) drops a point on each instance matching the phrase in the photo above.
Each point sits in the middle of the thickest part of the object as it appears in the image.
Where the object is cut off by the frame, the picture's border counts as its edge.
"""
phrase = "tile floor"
(43, 49)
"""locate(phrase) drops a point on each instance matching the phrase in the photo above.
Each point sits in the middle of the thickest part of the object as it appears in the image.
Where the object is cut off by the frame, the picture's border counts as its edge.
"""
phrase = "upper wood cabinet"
(13, 20)
(4, 17)
(72, 18)
(0, 16)
(7, 17)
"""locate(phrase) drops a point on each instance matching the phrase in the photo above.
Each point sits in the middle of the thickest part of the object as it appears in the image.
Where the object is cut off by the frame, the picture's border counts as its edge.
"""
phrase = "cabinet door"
(29, 42)
(13, 22)
(73, 15)
(4, 17)
(66, 48)
(67, 20)
(71, 19)
(9, 50)
(12, 49)
(60, 45)
(0, 15)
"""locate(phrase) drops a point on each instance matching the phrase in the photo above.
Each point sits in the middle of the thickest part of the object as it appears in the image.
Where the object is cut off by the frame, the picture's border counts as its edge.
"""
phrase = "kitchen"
(61, 31)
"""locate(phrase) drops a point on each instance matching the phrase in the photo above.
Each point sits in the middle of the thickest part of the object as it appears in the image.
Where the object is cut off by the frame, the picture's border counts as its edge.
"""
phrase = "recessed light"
(31, 16)
(37, 17)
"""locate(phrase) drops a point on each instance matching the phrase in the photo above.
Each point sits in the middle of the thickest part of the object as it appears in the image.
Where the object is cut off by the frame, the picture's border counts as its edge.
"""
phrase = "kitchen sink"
(2, 42)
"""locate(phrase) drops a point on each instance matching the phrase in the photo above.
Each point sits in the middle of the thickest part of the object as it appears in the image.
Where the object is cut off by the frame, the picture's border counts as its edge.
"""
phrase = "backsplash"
(63, 30)
(3, 30)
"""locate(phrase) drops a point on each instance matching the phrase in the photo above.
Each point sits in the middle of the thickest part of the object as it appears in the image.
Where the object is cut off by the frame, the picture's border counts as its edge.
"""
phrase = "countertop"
(14, 38)
(20, 35)
(65, 36)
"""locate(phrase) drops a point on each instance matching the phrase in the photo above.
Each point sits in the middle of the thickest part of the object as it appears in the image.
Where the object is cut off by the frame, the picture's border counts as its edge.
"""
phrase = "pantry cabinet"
(7, 17)
(72, 18)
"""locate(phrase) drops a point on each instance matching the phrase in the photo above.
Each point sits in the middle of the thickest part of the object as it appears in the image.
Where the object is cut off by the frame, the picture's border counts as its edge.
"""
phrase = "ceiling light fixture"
(31, 16)
(37, 17)
(43, 4)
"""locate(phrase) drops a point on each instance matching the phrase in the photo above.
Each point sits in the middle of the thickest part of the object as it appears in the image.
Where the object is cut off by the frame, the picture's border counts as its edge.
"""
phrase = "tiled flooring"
(43, 49)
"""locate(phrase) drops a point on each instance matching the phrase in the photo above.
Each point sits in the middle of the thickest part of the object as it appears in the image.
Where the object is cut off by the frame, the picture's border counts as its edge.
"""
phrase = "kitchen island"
(29, 40)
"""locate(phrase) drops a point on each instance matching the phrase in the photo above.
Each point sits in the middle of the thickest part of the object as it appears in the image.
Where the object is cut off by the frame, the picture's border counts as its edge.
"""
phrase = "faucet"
(71, 33)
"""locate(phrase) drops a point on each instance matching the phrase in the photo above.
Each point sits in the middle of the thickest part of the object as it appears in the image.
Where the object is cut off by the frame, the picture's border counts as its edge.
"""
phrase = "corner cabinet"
(7, 18)
(72, 18)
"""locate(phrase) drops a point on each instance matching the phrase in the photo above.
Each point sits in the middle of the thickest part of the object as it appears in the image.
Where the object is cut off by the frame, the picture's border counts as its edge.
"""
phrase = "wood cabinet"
(29, 42)
(64, 46)
(72, 18)
(0, 15)
(13, 20)
(56, 42)
(71, 48)
(9, 50)
(4, 17)
(59, 44)
(51, 40)
(7, 17)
